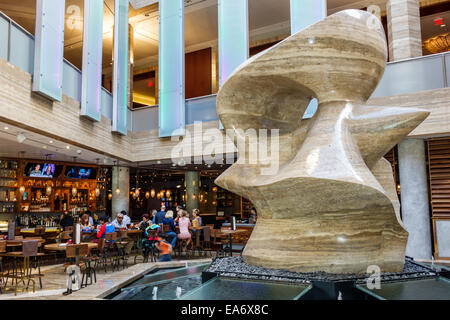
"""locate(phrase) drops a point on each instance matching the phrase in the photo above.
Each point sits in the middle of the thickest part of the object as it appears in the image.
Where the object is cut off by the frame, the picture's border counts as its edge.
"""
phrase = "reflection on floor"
(54, 281)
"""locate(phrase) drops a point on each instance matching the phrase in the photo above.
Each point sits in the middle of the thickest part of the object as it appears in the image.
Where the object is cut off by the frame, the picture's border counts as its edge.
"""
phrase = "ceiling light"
(67, 147)
(51, 141)
(6, 128)
(21, 137)
(44, 146)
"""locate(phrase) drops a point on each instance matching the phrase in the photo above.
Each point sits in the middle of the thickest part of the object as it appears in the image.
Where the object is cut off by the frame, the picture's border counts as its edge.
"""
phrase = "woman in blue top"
(168, 220)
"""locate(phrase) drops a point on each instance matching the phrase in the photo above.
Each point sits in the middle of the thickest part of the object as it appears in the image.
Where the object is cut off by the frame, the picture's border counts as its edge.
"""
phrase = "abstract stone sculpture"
(332, 206)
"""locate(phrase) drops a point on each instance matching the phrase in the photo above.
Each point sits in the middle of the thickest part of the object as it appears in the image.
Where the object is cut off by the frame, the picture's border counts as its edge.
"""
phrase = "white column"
(404, 31)
(171, 68)
(414, 197)
(120, 180)
(49, 48)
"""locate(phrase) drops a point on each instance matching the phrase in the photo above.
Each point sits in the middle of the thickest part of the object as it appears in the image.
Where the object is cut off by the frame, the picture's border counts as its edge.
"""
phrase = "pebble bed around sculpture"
(332, 206)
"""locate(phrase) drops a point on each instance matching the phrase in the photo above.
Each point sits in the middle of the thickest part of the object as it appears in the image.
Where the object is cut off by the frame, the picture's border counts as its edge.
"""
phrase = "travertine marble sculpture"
(332, 206)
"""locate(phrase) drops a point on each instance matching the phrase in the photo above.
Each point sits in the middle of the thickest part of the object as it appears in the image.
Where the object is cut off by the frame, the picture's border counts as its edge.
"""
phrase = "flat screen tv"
(40, 170)
(81, 173)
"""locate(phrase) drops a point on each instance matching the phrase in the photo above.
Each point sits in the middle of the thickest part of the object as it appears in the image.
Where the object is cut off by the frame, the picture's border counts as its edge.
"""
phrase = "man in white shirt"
(126, 218)
(119, 222)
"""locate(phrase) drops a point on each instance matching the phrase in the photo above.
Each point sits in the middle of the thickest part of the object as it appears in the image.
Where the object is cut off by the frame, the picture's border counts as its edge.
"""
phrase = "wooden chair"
(24, 271)
(123, 245)
(207, 240)
(101, 255)
(110, 248)
(83, 254)
(2, 250)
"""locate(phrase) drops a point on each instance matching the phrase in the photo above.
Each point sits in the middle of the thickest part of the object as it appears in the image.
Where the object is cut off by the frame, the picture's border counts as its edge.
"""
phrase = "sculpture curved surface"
(332, 206)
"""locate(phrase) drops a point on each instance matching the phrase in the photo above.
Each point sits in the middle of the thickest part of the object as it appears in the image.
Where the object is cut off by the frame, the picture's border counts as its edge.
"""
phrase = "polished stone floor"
(54, 281)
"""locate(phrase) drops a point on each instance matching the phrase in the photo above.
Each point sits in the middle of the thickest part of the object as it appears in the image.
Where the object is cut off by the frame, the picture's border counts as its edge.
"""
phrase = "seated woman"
(184, 224)
(196, 220)
(168, 220)
(86, 226)
(144, 223)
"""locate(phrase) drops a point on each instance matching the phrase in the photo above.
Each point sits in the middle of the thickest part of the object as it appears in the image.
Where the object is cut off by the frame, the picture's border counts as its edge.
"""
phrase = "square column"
(171, 68)
(92, 60)
(49, 48)
(414, 197)
(120, 67)
(404, 32)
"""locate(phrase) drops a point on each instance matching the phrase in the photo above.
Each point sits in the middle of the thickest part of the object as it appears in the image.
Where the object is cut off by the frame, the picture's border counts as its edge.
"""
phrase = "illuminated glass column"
(303, 14)
(233, 37)
(120, 67)
(92, 60)
(48, 48)
(306, 12)
(171, 68)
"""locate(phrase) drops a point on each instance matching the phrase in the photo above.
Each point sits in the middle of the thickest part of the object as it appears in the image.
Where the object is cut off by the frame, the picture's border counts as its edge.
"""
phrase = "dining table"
(63, 247)
(230, 238)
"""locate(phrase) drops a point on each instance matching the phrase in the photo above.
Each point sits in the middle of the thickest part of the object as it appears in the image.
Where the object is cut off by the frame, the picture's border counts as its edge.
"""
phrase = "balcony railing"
(401, 77)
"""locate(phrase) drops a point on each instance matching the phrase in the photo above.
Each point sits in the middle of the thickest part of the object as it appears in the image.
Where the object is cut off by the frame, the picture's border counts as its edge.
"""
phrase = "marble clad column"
(414, 197)
(121, 180)
(192, 182)
(405, 38)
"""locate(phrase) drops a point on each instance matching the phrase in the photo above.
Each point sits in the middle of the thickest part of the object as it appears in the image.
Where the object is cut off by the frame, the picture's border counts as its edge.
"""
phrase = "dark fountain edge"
(236, 268)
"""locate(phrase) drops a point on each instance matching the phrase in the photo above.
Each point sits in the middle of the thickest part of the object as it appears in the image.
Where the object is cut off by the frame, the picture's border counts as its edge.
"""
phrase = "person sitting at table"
(65, 220)
(144, 223)
(89, 213)
(179, 212)
(106, 227)
(86, 225)
(171, 234)
(184, 224)
(165, 248)
(119, 222)
(126, 218)
(196, 217)
(253, 216)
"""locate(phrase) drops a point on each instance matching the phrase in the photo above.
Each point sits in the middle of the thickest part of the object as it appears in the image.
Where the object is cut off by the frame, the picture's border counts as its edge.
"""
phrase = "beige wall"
(61, 120)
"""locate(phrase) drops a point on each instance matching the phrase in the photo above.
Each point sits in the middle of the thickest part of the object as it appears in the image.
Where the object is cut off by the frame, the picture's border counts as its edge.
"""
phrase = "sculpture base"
(235, 267)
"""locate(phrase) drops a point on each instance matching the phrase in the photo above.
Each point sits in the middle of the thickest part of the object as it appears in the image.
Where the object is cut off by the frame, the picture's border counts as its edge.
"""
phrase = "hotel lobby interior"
(224, 150)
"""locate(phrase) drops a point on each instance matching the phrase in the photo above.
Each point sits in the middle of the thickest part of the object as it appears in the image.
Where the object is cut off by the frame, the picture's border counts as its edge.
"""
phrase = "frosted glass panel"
(92, 60)
(411, 76)
(22, 49)
(4, 38)
(107, 104)
(48, 54)
(145, 119)
(443, 237)
(201, 109)
(71, 81)
(171, 67)
(120, 76)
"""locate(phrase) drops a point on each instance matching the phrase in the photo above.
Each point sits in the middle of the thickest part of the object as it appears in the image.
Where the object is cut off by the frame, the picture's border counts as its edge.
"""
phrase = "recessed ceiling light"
(44, 146)
(6, 128)
(67, 147)
(51, 141)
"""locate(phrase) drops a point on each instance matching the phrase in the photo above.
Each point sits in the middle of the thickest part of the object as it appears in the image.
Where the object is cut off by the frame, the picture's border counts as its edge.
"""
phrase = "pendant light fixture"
(147, 195)
(97, 189)
(152, 193)
(137, 192)
(22, 187)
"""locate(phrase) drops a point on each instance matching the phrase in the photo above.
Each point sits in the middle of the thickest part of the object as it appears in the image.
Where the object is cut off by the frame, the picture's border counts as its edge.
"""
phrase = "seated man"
(150, 237)
(106, 227)
(119, 222)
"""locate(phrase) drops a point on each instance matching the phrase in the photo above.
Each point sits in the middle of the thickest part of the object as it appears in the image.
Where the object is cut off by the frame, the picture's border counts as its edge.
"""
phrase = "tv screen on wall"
(81, 173)
(40, 170)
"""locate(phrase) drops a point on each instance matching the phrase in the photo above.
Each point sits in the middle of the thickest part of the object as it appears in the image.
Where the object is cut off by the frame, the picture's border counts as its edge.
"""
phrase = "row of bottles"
(39, 207)
(8, 182)
(10, 165)
(7, 208)
(8, 173)
(30, 221)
